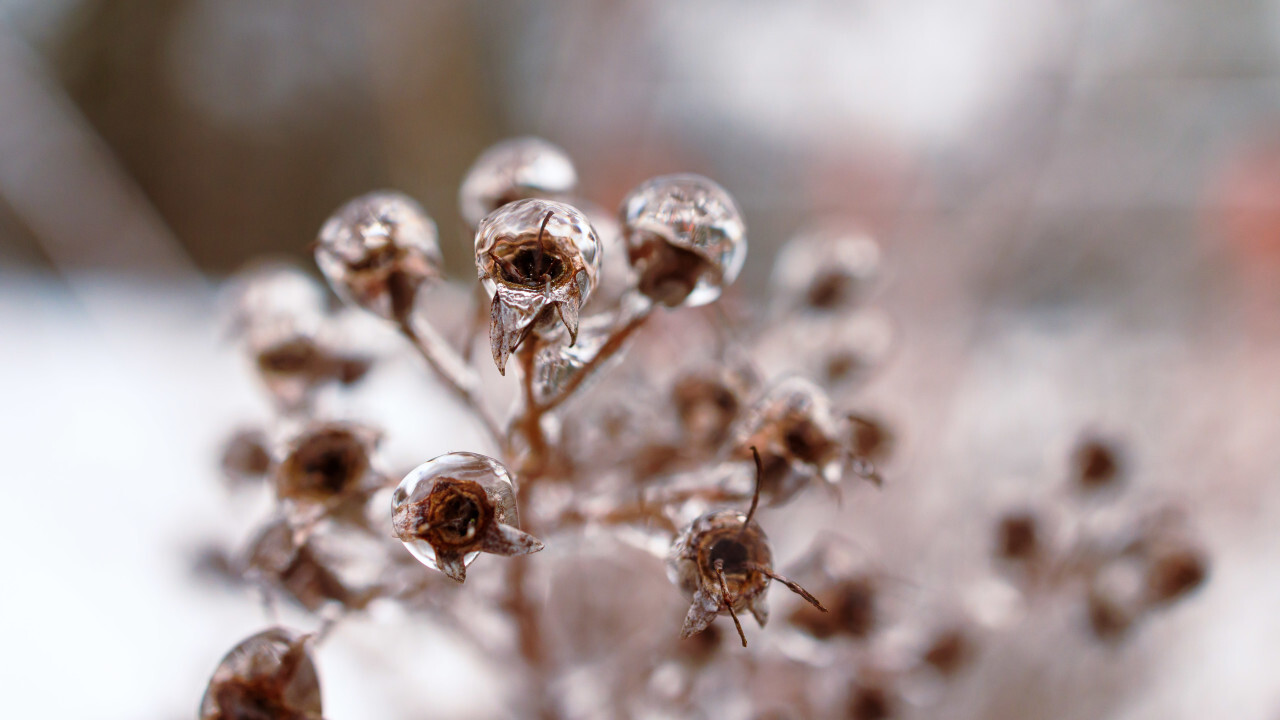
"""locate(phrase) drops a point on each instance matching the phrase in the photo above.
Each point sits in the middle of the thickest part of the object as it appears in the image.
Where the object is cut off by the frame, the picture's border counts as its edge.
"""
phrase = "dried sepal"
(452, 508)
(269, 675)
(539, 261)
(515, 169)
(377, 251)
(685, 238)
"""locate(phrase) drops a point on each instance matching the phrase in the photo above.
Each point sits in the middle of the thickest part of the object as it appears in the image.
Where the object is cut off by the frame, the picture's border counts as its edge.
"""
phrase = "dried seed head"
(685, 237)
(1096, 464)
(452, 508)
(377, 251)
(871, 701)
(269, 675)
(1174, 572)
(538, 260)
(303, 573)
(326, 462)
(269, 293)
(798, 438)
(949, 651)
(515, 169)
(827, 269)
(720, 544)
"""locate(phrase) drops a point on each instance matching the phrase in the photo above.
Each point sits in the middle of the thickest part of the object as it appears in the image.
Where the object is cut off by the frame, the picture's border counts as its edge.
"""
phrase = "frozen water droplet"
(515, 169)
(539, 261)
(685, 237)
(377, 250)
(270, 674)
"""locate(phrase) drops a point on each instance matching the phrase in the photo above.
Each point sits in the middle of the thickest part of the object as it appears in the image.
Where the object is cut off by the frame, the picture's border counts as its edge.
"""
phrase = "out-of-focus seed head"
(685, 238)
(326, 462)
(868, 437)
(269, 675)
(271, 293)
(1018, 536)
(515, 169)
(452, 508)
(1096, 463)
(538, 260)
(852, 610)
(708, 403)
(798, 438)
(949, 651)
(300, 571)
(377, 251)
(871, 701)
(245, 456)
(742, 553)
(826, 270)
(1173, 573)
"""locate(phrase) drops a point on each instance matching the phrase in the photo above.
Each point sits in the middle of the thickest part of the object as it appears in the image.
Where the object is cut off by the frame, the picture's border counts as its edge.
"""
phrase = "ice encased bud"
(515, 169)
(798, 437)
(450, 509)
(270, 674)
(685, 237)
(826, 269)
(377, 250)
(539, 261)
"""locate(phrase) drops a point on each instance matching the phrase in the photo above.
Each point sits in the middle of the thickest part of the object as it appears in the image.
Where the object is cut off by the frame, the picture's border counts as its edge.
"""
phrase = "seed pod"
(515, 169)
(708, 403)
(825, 270)
(538, 260)
(1096, 464)
(269, 675)
(798, 438)
(452, 508)
(723, 563)
(377, 251)
(327, 462)
(1018, 537)
(245, 456)
(685, 237)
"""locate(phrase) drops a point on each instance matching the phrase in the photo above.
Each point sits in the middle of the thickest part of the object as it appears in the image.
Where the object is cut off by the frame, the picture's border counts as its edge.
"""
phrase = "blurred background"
(1079, 204)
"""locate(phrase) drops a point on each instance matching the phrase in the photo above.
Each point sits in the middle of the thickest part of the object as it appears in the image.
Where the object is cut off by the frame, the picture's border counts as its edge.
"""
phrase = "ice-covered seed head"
(515, 169)
(715, 545)
(325, 462)
(270, 674)
(826, 269)
(377, 251)
(797, 436)
(452, 508)
(539, 261)
(685, 238)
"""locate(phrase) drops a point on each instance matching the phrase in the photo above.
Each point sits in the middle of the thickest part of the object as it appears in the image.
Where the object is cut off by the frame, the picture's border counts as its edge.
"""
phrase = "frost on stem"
(685, 237)
(539, 261)
(269, 675)
(515, 169)
(377, 251)
(452, 508)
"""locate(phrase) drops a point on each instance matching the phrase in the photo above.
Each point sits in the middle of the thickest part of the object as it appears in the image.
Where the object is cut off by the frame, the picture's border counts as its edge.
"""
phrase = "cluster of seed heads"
(731, 434)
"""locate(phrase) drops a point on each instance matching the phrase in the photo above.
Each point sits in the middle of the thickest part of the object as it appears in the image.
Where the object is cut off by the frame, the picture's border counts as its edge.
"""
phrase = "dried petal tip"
(515, 169)
(685, 237)
(539, 261)
(269, 675)
(452, 508)
(377, 251)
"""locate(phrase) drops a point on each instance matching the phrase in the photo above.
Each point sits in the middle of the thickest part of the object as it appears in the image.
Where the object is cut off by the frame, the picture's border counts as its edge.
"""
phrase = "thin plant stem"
(610, 348)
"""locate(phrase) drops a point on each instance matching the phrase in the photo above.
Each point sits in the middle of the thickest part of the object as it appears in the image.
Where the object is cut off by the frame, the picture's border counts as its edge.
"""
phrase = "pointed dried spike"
(506, 540)
(568, 310)
(760, 610)
(792, 585)
(452, 566)
(497, 340)
(701, 613)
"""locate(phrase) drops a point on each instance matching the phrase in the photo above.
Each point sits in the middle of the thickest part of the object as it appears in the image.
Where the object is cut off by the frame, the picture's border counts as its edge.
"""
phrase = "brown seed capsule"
(452, 508)
(539, 261)
(798, 439)
(708, 404)
(327, 462)
(269, 676)
(949, 652)
(301, 572)
(871, 701)
(377, 251)
(827, 269)
(685, 237)
(1173, 573)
